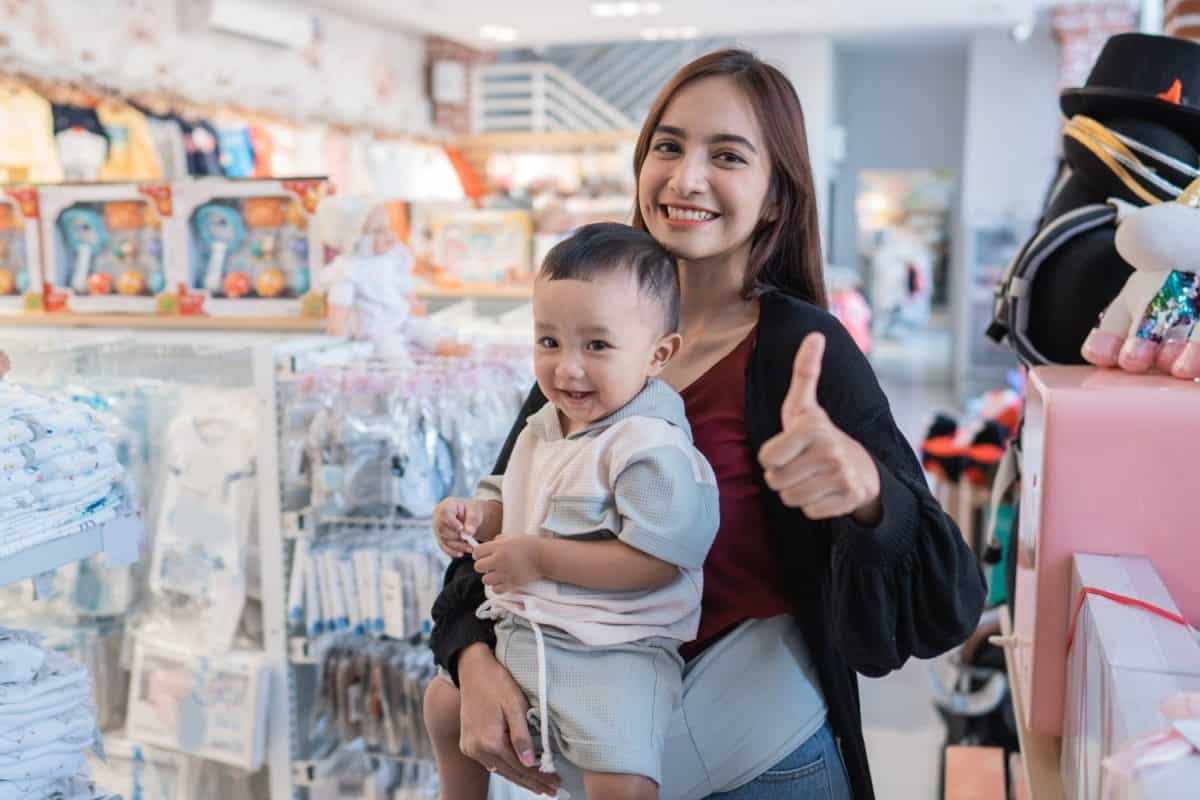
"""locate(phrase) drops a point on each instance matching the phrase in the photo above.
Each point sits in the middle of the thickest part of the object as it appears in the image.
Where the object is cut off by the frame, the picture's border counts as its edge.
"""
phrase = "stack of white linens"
(59, 473)
(47, 722)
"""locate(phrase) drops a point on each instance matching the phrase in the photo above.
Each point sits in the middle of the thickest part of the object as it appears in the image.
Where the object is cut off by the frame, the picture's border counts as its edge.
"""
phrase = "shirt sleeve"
(489, 488)
(667, 500)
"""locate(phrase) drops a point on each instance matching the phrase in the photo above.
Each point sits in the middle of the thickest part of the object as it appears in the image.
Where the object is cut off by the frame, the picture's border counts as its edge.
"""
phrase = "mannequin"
(369, 284)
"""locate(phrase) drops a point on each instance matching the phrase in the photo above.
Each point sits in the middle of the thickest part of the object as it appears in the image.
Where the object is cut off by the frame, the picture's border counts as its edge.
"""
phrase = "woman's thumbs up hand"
(812, 464)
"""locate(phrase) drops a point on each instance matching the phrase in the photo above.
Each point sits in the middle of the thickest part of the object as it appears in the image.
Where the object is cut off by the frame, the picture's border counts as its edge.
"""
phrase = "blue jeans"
(814, 771)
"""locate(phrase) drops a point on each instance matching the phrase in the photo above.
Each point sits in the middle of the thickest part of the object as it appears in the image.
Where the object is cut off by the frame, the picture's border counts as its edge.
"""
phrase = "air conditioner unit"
(266, 22)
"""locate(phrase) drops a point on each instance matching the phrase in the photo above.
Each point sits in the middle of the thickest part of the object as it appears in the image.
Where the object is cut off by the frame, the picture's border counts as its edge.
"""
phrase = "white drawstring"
(488, 610)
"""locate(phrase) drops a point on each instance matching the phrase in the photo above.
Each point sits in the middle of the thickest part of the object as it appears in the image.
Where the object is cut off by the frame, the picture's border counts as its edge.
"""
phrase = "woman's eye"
(547, 343)
(666, 147)
(596, 347)
(730, 158)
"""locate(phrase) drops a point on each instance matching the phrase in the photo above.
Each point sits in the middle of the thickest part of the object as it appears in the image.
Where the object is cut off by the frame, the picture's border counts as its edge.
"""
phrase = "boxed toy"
(469, 245)
(105, 246)
(213, 707)
(250, 247)
(20, 252)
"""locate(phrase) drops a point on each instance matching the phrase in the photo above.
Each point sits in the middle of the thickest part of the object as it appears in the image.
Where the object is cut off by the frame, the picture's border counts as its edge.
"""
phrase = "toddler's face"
(377, 237)
(596, 344)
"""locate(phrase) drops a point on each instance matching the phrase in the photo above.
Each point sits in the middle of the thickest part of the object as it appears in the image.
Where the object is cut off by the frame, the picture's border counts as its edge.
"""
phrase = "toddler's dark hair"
(604, 247)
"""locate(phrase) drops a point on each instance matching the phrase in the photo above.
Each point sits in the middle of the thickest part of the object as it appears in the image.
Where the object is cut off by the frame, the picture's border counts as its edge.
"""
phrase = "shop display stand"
(121, 535)
(1041, 754)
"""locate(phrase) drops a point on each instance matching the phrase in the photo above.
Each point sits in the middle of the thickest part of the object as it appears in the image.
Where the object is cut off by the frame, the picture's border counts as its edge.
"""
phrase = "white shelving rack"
(120, 536)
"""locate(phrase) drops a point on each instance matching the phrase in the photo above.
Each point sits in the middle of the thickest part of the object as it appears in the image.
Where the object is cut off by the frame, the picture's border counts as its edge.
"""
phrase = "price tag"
(123, 540)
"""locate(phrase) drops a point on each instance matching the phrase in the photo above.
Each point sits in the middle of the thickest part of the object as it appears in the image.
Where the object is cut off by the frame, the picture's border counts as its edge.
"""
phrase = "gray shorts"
(609, 707)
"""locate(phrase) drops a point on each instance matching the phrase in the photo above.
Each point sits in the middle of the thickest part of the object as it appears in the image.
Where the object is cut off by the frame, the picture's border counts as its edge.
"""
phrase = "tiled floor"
(904, 733)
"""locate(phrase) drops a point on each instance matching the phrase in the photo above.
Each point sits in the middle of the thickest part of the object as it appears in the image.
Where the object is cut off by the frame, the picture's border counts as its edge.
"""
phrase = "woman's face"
(704, 183)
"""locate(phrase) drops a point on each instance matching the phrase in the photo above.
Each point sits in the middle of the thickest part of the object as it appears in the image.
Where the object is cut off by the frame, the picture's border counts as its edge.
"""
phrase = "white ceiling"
(546, 22)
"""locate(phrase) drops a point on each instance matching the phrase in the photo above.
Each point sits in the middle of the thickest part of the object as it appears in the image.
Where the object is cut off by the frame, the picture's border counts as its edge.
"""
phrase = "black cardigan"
(867, 599)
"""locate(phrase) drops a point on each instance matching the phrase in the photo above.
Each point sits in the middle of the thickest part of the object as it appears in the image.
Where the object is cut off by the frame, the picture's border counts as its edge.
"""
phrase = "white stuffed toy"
(1153, 321)
(369, 285)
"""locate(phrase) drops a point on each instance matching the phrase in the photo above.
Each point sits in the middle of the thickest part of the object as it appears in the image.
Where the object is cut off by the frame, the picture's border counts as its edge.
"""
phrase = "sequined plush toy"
(1153, 321)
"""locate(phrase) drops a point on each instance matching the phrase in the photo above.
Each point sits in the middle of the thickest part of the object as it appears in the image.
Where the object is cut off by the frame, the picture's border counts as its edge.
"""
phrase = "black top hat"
(1136, 75)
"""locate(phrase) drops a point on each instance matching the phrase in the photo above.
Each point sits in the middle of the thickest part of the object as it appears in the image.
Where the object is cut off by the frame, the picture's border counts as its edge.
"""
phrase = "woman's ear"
(664, 351)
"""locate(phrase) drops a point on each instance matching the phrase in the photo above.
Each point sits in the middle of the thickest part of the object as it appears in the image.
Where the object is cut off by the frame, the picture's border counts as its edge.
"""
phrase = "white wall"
(902, 107)
(808, 63)
(354, 74)
(1013, 129)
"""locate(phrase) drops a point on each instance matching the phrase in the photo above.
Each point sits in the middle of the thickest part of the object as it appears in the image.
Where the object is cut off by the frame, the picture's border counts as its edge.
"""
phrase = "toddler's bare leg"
(612, 786)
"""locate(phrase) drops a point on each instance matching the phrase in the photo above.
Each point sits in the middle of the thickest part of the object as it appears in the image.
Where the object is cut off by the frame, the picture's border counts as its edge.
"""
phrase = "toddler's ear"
(664, 351)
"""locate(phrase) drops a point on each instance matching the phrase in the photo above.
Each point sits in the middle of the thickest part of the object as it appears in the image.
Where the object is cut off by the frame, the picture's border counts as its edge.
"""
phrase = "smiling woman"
(713, 117)
(831, 560)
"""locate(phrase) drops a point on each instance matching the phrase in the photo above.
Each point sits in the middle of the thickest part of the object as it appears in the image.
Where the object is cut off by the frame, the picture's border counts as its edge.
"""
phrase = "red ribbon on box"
(1123, 600)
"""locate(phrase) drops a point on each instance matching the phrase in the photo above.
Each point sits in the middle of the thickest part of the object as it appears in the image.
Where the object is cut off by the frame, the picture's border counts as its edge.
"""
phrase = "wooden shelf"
(164, 322)
(1040, 753)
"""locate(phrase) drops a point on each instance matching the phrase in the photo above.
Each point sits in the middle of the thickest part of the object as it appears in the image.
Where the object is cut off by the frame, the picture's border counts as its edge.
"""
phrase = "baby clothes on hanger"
(167, 135)
(131, 155)
(82, 142)
(237, 153)
(27, 151)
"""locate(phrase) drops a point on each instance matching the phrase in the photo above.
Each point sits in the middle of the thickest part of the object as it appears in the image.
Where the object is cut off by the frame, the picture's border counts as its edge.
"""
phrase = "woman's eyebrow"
(718, 138)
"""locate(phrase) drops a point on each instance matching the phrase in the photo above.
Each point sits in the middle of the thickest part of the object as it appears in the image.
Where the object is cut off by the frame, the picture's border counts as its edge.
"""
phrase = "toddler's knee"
(442, 711)
(620, 787)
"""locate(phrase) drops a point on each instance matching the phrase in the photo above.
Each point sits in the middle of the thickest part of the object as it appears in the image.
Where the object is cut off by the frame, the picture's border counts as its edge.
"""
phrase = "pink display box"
(1108, 467)
(1125, 662)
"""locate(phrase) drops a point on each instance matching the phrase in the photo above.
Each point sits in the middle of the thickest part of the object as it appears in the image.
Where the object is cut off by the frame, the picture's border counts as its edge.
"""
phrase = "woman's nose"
(690, 177)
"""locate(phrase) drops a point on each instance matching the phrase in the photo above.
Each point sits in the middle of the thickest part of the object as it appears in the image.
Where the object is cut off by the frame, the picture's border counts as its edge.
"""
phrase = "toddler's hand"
(452, 518)
(509, 562)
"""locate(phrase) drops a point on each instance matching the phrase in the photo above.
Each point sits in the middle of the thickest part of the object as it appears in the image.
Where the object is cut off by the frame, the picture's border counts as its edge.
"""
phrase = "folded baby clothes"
(13, 432)
(90, 520)
(43, 449)
(11, 459)
(59, 420)
(77, 463)
(18, 501)
(58, 673)
(20, 656)
(17, 480)
(76, 727)
(57, 487)
(59, 764)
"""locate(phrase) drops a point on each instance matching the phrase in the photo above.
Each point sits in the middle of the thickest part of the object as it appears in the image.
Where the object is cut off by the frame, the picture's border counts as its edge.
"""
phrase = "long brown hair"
(786, 252)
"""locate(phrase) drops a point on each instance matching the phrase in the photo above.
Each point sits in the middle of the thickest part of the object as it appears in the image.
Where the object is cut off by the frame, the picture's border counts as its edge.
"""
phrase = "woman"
(832, 558)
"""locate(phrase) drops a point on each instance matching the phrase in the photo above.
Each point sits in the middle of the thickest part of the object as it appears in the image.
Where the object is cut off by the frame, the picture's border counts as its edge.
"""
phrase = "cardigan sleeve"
(909, 586)
(455, 625)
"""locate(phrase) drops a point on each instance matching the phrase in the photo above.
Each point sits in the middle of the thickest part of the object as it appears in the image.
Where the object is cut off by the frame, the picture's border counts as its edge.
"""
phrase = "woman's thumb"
(518, 734)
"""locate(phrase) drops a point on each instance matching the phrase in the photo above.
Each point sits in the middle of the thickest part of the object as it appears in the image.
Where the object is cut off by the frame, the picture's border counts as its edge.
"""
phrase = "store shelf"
(164, 322)
(51, 555)
(484, 292)
(304, 523)
(548, 140)
(1041, 753)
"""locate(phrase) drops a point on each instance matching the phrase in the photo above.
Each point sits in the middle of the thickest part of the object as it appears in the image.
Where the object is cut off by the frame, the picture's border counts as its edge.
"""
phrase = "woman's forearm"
(611, 566)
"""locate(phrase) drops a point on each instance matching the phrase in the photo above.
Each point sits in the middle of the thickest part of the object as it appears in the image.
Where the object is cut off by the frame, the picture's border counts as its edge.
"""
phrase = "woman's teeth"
(689, 214)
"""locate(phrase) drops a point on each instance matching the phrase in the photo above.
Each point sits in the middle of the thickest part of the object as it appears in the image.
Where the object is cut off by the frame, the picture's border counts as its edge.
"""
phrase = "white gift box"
(1124, 663)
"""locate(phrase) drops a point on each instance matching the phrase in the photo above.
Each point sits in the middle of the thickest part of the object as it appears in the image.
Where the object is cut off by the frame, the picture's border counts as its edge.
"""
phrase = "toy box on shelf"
(106, 246)
(1107, 467)
(1125, 662)
(474, 245)
(20, 252)
(250, 247)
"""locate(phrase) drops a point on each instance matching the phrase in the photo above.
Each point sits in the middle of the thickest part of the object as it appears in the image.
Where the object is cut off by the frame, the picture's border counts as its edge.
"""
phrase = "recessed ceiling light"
(625, 8)
(498, 33)
(604, 9)
(651, 8)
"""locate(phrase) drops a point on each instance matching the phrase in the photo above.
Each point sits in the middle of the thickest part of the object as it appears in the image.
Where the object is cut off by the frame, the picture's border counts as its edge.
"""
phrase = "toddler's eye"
(597, 346)
(547, 342)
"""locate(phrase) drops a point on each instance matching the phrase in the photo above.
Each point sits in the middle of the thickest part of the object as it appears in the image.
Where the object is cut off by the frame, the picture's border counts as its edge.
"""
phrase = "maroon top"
(742, 575)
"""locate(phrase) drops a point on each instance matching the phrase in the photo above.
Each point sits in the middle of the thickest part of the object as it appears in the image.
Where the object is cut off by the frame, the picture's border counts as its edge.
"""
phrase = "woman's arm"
(907, 585)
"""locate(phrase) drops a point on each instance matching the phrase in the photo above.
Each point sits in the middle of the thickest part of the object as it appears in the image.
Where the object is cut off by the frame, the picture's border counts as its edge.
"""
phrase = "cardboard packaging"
(1124, 663)
(107, 246)
(20, 250)
(1107, 468)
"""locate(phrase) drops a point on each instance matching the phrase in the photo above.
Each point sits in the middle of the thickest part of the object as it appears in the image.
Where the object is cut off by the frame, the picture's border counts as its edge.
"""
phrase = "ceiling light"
(628, 9)
(651, 9)
(651, 34)
(604, 9)
(688, 33)
(498, 33)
